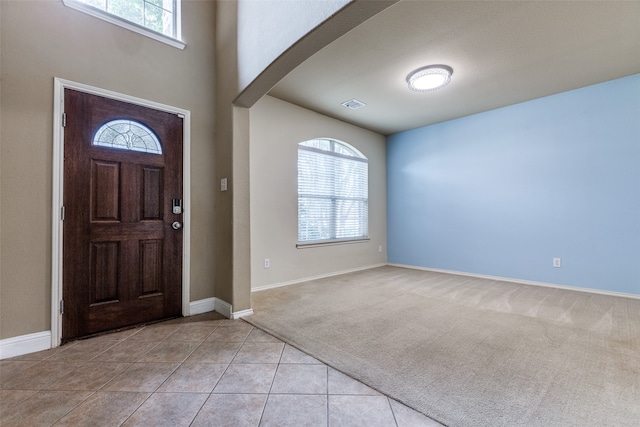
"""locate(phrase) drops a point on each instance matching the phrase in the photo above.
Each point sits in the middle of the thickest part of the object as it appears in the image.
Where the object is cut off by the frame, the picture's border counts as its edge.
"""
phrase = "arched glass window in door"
(127, 135)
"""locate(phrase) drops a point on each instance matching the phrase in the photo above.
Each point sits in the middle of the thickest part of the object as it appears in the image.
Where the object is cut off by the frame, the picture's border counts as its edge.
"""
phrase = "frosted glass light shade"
(429, 78)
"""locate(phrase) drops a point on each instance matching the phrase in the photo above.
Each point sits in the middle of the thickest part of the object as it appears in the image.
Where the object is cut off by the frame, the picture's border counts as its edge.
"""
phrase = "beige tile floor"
(197, 371)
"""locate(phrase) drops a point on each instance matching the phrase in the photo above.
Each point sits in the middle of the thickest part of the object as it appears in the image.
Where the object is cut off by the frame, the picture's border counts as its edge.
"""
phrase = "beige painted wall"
(276, 129)
(251, 59)
(226, 90)
(41, 40)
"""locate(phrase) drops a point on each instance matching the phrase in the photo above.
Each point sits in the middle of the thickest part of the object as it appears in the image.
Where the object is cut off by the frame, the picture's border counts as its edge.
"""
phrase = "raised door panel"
(152, 190)
(151, 267)
(104, 272)
(105, 194)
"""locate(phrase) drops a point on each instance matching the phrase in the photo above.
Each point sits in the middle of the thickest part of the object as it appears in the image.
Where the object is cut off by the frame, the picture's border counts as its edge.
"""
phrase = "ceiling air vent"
(353, 104)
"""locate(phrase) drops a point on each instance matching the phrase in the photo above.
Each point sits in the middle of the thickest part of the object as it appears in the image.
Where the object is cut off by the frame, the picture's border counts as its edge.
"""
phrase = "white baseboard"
(223, 308)
(521, 281)
(25, 344)
(310, 278)
(242, 313)
(202, 306)
(226, 310)
(210, 304)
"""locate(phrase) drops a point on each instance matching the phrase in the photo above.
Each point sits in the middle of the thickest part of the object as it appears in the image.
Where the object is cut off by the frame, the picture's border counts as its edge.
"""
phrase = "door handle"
(176, 225)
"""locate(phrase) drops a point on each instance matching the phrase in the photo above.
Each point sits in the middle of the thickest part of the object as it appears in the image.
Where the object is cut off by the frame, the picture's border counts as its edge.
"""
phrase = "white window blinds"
(332, 192)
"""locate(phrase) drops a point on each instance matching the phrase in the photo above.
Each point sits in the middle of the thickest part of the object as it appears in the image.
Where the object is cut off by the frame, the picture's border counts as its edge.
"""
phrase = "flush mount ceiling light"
(429, 78)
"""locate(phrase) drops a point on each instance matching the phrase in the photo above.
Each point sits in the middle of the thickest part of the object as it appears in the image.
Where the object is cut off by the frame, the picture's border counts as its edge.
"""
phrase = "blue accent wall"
(504, 192)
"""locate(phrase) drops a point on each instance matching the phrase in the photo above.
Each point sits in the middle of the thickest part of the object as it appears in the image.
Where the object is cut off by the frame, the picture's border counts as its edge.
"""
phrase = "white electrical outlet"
(223, 184)
(380, 248)
(267, 263)
(557, 262)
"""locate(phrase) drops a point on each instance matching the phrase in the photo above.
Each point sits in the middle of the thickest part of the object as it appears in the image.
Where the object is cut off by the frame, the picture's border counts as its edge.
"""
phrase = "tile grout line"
(272, 380)
(393, 413)
(136, 361)
(43, 386)
(327, 408)
(69, 411)
(217, 381)
(182, 363)
(152, 392)
(172, 372)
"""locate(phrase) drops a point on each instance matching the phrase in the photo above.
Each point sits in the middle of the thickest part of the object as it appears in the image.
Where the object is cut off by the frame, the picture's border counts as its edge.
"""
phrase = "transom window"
(127, 135)
(158, 19)
(333, 193)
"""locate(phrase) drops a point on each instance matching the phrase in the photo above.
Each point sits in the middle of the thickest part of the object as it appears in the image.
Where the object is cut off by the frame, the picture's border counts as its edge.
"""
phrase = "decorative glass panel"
(127, 135)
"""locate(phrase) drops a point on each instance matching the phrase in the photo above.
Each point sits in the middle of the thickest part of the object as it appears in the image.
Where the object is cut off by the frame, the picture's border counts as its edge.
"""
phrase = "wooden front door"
(122, 240)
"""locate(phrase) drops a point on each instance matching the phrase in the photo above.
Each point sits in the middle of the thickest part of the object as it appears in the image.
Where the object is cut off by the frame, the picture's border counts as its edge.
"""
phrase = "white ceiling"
(502, 53)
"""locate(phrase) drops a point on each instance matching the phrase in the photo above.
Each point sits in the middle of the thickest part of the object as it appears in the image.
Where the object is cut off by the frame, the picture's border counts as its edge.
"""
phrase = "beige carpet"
(468, 351)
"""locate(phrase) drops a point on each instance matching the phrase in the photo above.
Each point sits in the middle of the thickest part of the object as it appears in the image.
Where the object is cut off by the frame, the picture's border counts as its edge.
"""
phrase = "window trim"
(121, 22)
(318, 243)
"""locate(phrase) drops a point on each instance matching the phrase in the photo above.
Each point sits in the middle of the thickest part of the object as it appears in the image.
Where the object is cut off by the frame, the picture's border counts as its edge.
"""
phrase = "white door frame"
(58, 186)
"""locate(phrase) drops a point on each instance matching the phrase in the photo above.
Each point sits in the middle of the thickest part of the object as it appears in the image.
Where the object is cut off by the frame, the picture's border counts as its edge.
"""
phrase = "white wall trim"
(58, 185)
(202, 306)
(242, 313)
(216, 304)
(310, 278)
(25, 344)
(210, 304)
(223, 307)
(521, 281)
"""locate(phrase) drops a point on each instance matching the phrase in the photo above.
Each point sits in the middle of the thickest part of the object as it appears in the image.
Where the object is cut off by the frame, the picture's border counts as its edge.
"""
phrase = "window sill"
(316, 244)
(81, 7)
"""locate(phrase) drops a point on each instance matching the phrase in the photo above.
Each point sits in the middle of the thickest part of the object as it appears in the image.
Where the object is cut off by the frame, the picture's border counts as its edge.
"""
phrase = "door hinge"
(64, 120)
(61, 306)
(62, 213)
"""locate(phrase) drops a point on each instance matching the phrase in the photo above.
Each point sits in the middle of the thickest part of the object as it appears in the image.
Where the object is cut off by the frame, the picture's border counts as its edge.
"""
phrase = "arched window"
(333, 192)
(127, 135)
